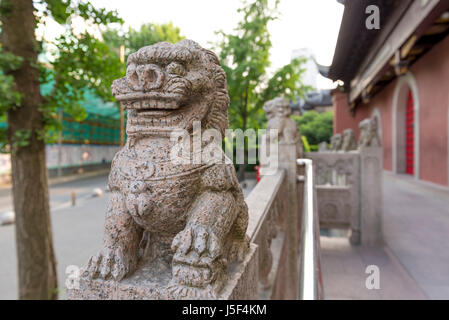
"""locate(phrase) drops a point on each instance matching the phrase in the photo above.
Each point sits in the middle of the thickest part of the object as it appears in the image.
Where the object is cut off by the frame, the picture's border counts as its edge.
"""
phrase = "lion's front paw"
(197, 257)
(110, 263)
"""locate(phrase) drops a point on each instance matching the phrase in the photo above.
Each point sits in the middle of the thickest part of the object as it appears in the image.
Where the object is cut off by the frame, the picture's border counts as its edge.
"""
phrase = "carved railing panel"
(267, 203)
(337, 183)
(334, 206)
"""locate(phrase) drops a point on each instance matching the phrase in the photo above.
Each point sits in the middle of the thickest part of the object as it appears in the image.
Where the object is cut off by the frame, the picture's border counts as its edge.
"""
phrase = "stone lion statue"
(277, 112)
(349, 141)
(336, 142)
(369, 135)
(187, 218)
(322, 147)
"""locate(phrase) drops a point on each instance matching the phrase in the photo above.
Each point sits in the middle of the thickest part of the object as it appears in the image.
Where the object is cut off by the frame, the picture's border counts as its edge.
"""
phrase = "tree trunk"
(35, 254)
(242, 167)
(241, 172)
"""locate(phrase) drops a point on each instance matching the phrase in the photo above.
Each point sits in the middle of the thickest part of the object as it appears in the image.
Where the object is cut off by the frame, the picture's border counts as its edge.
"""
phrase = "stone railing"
(349, 184)
(267, 206)
(310, 278)
(277, 223)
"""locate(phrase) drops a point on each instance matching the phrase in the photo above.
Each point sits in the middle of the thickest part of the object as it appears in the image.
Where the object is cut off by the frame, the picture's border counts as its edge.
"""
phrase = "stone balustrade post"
(371, 168)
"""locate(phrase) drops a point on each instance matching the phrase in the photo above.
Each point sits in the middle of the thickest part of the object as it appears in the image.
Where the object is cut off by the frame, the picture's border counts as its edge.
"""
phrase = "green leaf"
(316, 127)
(148, 34)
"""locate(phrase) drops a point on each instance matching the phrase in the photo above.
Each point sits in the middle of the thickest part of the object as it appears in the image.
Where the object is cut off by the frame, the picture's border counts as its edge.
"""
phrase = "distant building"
(399, 74)
(318, 100)
(309, 77)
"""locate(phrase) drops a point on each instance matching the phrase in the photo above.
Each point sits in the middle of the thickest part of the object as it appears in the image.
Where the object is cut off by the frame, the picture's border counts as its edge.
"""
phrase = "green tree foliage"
(77, 62)
(305, 143)
(245, 58)
(8, 97)
(82, 63)
(148, 34)
(316, 127)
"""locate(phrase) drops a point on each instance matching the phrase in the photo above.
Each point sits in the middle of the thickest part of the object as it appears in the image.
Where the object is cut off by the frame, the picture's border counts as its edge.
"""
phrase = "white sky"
(312, 24)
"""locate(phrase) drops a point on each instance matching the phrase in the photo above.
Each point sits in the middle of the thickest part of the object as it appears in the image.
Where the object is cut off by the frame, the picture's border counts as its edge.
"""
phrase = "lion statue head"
(349, 141)
(169, 86)
(277, 112)
(369, 135)
(277, 108)
(336, 142)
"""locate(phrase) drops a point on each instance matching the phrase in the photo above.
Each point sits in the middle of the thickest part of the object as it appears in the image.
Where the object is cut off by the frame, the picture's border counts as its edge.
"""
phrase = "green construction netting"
(102, 125)
(95, 129)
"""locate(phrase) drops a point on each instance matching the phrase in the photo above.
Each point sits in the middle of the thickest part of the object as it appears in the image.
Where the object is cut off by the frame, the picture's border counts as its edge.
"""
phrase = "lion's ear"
(211, 56)
(218, 120)
(220, 79)
(218, 115)
(221, 100)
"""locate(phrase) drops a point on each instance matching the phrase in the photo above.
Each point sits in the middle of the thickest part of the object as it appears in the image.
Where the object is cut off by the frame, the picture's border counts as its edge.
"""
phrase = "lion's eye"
(176, 68)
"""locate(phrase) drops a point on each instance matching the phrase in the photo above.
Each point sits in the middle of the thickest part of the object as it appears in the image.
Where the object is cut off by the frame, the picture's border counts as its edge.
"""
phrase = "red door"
(409, 146)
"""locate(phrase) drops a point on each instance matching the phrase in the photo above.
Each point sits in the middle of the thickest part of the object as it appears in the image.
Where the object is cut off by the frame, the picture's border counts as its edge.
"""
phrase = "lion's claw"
(197, 260)
(109, 263)
(196, 241)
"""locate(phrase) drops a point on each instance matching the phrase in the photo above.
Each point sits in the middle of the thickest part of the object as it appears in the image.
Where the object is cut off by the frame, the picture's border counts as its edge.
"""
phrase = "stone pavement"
(344, 277)
(416, 228)
(414, 262)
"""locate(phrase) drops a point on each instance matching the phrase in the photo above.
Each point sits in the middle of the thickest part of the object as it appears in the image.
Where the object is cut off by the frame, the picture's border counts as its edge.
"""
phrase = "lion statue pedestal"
(150, 282)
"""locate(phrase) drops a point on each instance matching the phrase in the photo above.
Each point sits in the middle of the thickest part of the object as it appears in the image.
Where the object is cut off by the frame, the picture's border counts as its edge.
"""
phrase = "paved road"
(78, 230)
(60, 194)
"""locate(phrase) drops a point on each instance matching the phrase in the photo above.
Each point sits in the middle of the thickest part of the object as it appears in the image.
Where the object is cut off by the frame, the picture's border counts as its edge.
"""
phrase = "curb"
(4, 190)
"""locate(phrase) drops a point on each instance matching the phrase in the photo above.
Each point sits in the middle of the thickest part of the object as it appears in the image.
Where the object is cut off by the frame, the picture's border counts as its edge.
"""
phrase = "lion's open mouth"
(151, 100)
(148, 119)
(153, 112)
